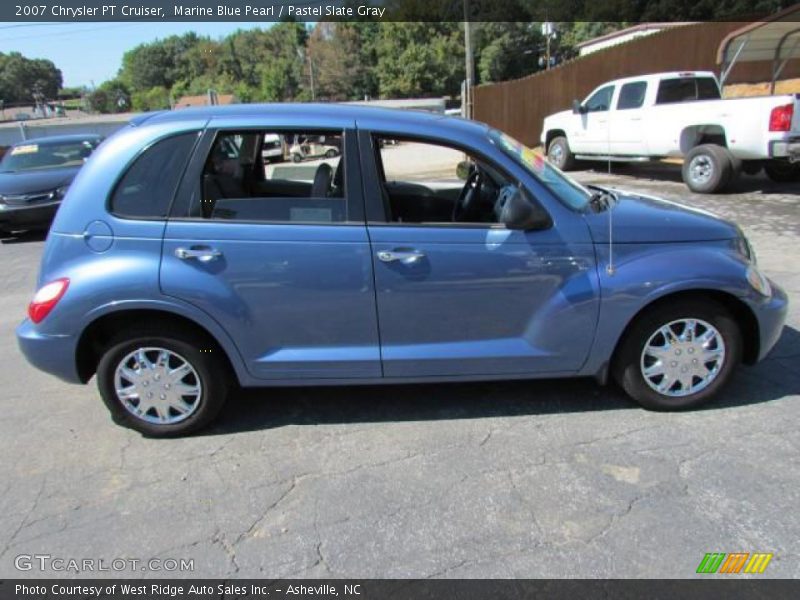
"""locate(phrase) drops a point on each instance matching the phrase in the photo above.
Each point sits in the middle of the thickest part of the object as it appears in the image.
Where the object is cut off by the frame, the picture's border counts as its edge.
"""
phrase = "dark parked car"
(35, 175)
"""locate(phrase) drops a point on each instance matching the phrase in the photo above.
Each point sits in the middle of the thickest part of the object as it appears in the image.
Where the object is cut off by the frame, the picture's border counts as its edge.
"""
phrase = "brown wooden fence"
(519, 106)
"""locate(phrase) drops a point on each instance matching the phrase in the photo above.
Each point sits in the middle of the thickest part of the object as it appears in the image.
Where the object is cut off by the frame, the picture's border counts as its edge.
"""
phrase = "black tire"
(331, 153)
(782, 171)
(627, 366)
(715, 161)
(296, 158)
(559, 154)
(204, 357)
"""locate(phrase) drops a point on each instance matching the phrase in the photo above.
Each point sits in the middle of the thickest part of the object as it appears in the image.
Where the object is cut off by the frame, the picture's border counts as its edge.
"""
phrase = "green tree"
(111, 96)
(335, 53)
(21, 76)
(507, 50)
(419, 59)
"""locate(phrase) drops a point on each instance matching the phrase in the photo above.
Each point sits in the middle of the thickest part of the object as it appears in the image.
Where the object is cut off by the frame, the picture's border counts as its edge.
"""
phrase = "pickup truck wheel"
(678, 355)
(707, 168)
(559, 154)
(162, 382)
(781, 171)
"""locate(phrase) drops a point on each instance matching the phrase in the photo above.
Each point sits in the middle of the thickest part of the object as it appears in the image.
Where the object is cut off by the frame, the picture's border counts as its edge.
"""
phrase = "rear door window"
(631, 95)
(274, 177)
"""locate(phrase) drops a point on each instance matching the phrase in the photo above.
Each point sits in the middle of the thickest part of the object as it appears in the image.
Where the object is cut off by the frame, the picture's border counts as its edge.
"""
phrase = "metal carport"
(776, 39)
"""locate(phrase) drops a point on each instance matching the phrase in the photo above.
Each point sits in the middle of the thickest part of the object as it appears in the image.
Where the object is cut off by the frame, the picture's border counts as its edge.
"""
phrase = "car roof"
(389, 116)
(59, 139)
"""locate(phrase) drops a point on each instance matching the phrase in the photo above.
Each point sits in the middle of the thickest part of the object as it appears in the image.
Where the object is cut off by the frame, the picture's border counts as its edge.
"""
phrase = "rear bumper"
(54, 354)
(771, 317)
(27, 217)
(789, 148)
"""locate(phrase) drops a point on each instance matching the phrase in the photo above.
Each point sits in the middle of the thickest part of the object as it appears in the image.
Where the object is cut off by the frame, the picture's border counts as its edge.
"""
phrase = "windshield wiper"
(602, 198)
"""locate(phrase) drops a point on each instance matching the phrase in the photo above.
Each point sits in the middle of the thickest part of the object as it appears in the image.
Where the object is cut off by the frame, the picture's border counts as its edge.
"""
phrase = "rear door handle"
(200, 253)
(406, 257)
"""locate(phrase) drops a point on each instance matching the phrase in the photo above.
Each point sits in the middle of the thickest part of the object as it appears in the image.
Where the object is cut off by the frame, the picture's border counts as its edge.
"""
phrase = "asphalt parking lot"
(509, 479)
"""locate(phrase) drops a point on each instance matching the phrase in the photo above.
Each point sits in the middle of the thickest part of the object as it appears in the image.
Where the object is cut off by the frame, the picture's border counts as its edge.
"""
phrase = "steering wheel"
(469, 196)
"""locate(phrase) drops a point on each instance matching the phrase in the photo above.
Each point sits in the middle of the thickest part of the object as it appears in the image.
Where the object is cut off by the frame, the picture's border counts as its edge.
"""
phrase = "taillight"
(780, 119)
(46, 298)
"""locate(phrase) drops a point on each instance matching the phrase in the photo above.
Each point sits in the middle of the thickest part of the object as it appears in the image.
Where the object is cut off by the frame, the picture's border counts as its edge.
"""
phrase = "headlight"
(758, 281)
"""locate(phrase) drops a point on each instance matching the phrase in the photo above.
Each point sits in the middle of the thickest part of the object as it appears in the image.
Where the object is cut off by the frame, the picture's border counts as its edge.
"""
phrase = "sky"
(90, 53)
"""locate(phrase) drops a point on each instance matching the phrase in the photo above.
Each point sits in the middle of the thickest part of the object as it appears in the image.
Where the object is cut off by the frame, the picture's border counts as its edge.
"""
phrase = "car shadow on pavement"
(22, 237)
(672, 173)
(267, 408)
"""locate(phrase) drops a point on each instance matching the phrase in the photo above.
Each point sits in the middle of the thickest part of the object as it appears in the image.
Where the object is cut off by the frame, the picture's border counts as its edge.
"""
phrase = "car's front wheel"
(559, 154)
(161, 381)
(678, 355)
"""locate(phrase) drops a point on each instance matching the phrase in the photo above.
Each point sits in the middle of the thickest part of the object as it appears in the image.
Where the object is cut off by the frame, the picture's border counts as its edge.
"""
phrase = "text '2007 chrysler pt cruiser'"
(181, 262)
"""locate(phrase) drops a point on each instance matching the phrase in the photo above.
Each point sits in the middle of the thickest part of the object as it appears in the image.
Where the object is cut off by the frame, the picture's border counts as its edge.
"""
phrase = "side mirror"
(577, 107)
(518, 211)
(463, 169)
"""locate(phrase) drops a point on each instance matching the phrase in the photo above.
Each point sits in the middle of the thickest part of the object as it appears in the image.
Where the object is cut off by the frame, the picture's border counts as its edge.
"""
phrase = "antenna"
(610, 267)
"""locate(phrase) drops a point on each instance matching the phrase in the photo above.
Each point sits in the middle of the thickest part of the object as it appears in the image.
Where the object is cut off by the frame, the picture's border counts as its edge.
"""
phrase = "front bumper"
(38, 216)
(54, 354)
(771, 315)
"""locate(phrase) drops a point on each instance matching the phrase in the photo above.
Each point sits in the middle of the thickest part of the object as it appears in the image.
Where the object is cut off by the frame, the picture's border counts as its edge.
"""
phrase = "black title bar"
(729, 587)
(255, 11)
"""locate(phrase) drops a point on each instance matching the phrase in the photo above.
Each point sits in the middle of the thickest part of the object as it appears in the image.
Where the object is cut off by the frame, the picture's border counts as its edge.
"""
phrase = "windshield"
(34, 156)
(567, 190)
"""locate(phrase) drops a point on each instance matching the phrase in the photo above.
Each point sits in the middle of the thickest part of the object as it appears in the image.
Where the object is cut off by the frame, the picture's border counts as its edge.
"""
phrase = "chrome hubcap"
(682, 357)
(556, 154)
(701, 169)
(157, 386)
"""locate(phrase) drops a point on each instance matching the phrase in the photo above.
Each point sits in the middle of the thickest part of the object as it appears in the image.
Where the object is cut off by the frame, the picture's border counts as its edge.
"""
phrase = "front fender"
(645, 273)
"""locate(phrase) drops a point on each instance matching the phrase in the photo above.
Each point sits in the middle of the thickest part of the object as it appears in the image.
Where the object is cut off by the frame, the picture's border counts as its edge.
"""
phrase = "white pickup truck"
(680, 115)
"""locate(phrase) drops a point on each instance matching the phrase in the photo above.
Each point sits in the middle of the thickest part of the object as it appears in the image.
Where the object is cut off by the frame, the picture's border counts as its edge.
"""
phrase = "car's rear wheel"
(559, 154)
(331, 153)
(162, 382)
(678, 355)
(296, 158)
(707, 168)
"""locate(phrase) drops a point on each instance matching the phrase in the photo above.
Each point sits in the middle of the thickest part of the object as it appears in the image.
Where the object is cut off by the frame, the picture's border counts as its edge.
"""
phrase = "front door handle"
(406, 257)
(200, 253)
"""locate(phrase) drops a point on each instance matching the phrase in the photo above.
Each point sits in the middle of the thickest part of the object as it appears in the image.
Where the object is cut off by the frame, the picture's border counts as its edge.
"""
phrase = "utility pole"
(311, 71)
(470, 63)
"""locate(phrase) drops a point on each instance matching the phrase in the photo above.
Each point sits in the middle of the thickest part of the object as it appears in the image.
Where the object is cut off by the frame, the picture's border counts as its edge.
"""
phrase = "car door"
(626, 134)
(592, 126)
(277, 254)
(467, 299)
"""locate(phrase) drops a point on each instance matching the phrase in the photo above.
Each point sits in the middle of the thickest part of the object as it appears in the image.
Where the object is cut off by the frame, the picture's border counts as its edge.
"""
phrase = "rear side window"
(691, 89)
(147, 188)
(631, 95)
(707, 89)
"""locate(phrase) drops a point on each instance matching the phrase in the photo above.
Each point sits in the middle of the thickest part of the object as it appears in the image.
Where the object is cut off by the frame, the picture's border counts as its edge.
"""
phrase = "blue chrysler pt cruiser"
(410, 247)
